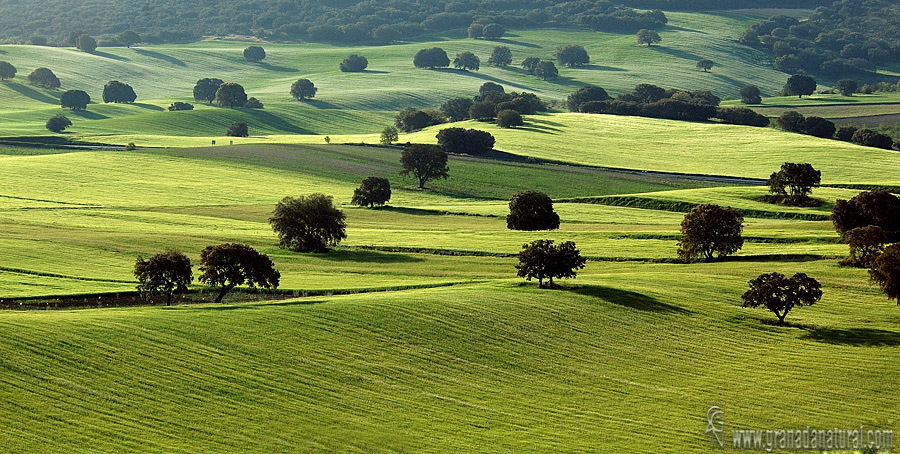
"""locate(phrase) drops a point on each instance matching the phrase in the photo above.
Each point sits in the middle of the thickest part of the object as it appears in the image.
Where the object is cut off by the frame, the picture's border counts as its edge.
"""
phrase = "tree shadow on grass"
(32, 93)
(109, 56)
(275, 122)
(682, 29)
(481, 76)
(630, 299)
(677, 53)
(412, 211)
(88, 115)
(373, 71)
(319, 104)
(148, 106)
(364, 256)
(516, 43)
(244, 306)
(282, 69)
(603, 68)
(159, 56)
(857, 337)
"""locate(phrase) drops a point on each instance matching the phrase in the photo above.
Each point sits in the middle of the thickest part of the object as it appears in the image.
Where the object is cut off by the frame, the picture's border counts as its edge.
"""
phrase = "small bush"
(179, 106)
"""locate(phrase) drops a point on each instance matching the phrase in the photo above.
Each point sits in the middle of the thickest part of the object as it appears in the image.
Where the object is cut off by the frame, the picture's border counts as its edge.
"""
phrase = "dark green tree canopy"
(75, 100)
(780, 294)
(231, 95)
(541, 259)
(751, 95)
(799, 86)
(465, 141)
(308, 223)
(254, 54)
(487, 88)
(205, 89)
(709, 230)
(530, 64)
(466, 61)
(165, 273)
(128, 38)
(866, 243)
(354, 64)
(411, 119)
(230, 265)
(457, 109)
(424, 162)
(7, 70)
(117, 92)
(705, 65)
(86, 43)
(238, 129)
(847, 86)
(585, 94)
(434, 57)
(869, 138)
(484, 110)
(253, 103)
(794, 182)
(509, 118)
(303, 89)
(648, 37)
(501, 57)
(44, 78)
(179, 106)
(885, 272)
(546, 70)
(572, 56)
(867, 208)
(493, 31)
(58, 123)
(371, 192)
(531, 210)
(389, 135)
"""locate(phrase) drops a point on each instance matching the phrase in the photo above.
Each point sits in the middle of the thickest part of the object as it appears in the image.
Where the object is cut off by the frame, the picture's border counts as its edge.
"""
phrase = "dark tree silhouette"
(585, 94)
(86, 43)
(44, 78)
(372, 192)
(117, 92)
(794, 182)
(541, 259)
(705, 65)
(303, 89)
(484, 110)
(58, 123)
(238, 129)
(493, 31)
(128, 38)
(205, 89)
(572, 56)
(231, 95)
(885, 272)
(531, 210)
(253, 103)
(254, 54)
(709, 230)
(879, 208)
(508, 118)
(354, 64)
(501, 56)
(546, 70)
(799, 86)
(530, 64)
(465, 141)
(648, 37)
(866, 243)
(847, 86)
(389, 134)
(466, 61)
(308, 223)
(230, 265)
(424, 162)
(780, 294)
(457, 109)
(751, 95)
(179, 106)
(434, 57)
(165, 273)
(7, 70)
(75, 100)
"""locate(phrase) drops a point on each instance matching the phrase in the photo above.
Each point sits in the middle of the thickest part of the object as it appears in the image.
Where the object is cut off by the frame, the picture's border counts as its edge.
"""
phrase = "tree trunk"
(422, 183)
(781, 318)
(168, 299)
(223, 292)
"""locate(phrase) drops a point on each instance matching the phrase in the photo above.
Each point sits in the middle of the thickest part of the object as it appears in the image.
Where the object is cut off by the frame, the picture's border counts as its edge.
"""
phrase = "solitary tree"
(58, 123)
(434, 57)
(373, 191)
(541, 259)
(501, 56)
(799, 85)
(705, 65)
(885, 272)
(424, 162)
(117, 92)
(231, 264)
(7, 70)
(866, 243)
(231, 95)
(546, 70)
(709, 230)
(466, 61)
(530, 64)
(648, 37)
(308, 223)
(531, 210)
(354, 64)
(205, 89)
(585, 94)
(847, 86)
(751, 95)
(86, 43)
(465, 141)
(303, 89)
(129, 38)
(572, 56)
(165, 273)
(238, 129)
(75, 100)
(794, 182)
(780, 294)
(509, 118)
(389, 135)
(254, 54)
(44, 78)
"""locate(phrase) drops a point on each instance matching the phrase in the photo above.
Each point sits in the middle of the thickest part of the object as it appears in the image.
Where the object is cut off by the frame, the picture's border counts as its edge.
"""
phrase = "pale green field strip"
(520, 369)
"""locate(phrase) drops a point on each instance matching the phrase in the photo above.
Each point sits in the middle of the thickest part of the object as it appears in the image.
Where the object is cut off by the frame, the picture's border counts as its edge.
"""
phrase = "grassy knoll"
(492, 367)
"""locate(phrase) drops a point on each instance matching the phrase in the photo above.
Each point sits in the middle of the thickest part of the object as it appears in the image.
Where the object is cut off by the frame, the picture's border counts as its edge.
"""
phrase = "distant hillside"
(348, 21)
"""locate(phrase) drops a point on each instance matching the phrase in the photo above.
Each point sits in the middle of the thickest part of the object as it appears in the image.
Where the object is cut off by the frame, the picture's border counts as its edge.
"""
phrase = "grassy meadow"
(414, 334)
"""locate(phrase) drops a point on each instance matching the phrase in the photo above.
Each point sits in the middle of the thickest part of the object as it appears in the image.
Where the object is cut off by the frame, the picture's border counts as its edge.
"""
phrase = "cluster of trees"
(794, 121)
(869, 223)
(845, 38)
(40, 77)
(485, 28)
(492, 101)
(220, 93)
(472, 142)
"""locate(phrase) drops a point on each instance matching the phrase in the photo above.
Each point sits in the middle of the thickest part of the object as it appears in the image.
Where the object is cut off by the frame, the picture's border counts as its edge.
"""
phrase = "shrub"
(253, 103)
(179, 106)
(845, 133)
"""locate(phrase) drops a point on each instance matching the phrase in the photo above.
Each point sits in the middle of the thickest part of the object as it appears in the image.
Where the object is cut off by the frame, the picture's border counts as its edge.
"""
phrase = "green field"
(414, 334)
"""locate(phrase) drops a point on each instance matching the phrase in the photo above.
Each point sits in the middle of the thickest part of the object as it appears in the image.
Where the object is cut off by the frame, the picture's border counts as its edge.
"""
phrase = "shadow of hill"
(159, 56)
(858, 337)
(32, 93)
(629, 299)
